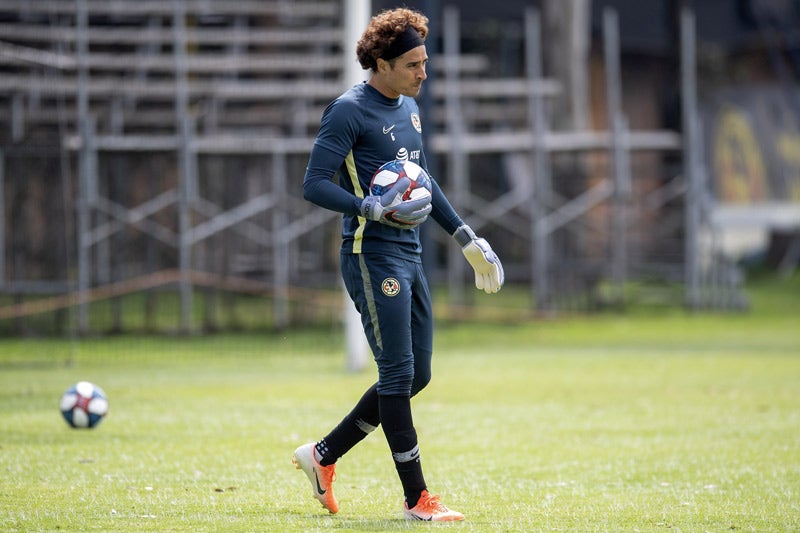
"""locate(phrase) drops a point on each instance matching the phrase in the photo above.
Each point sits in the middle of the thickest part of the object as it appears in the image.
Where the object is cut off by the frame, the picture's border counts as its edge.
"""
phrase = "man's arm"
(319, 188)
(388, 208)
(489, 275)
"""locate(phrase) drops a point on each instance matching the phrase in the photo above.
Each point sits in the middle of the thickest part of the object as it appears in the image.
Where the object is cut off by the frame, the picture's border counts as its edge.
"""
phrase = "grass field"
(658, 420)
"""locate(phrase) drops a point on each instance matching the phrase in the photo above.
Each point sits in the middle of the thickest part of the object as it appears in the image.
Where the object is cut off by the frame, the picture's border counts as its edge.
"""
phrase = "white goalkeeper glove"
(489, 274)
(392, 210)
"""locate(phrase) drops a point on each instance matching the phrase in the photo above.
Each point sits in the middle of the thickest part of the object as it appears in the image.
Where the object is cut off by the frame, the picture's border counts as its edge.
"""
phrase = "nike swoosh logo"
(319, 489)
(387, 130)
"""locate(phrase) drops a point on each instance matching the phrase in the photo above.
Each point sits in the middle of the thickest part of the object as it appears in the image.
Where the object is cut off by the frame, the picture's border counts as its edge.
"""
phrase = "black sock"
(359, 423)
(398, 426)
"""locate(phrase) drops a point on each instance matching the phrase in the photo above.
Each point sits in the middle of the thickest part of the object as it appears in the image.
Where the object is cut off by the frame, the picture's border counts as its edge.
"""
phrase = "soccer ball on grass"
(84, 405)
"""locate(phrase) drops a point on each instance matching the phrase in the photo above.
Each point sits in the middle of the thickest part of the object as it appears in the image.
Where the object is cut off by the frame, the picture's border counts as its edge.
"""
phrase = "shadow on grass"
(341, 523)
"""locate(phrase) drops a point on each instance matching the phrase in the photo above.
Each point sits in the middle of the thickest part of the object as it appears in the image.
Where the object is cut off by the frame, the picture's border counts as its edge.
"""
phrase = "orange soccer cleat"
(430, 509)
(321, 477)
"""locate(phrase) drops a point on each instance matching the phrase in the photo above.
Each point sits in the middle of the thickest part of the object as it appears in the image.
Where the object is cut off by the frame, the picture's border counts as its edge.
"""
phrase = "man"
(369, 125)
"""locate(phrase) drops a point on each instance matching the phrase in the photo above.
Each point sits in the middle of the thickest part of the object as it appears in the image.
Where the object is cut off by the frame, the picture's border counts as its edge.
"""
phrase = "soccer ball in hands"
(390, 172)
(84, 405)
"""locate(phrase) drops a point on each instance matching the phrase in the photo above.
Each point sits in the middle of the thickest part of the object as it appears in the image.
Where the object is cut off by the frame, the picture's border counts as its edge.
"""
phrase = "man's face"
(405, 74)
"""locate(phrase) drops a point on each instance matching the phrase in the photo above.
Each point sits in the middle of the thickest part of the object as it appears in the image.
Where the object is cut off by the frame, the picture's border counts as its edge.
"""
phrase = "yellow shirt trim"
(350, 163)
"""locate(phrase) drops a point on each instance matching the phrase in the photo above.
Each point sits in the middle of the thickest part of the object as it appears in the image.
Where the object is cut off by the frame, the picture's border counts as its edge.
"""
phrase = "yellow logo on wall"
(738, 162)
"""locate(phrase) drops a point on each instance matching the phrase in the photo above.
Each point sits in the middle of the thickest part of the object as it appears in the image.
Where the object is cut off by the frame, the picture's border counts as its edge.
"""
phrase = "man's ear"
(383, 65)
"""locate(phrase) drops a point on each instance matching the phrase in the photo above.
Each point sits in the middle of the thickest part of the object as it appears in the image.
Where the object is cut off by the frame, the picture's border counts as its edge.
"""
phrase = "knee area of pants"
(395, 382)
(419, 383)
(395, 389)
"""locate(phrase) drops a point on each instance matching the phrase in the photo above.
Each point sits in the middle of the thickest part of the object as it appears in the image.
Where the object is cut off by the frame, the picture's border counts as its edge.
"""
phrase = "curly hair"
(383, 29)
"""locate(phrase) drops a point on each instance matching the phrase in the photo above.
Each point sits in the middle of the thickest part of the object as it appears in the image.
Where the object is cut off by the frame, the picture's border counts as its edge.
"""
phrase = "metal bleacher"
(102, 79)
(258, 65)
(179, 133)
(255, 66)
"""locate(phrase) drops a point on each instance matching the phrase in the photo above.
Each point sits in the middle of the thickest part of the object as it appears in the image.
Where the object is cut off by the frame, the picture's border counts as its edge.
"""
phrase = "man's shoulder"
(347, 108)
(354, 95)
(349, 104)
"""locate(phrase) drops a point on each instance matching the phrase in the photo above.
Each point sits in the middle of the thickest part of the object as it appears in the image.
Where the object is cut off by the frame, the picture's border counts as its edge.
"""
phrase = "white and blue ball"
(84, 405)
(390, 172)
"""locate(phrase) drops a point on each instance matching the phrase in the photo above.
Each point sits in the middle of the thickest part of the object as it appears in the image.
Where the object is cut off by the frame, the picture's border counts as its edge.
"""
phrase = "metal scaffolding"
(530, 209)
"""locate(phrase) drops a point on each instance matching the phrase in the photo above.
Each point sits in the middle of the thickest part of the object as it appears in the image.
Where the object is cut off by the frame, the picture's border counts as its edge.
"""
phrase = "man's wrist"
(464, 235)
(367, 207)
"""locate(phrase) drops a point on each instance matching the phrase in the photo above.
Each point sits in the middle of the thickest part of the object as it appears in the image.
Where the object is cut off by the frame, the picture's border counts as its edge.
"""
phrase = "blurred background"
(614, 152)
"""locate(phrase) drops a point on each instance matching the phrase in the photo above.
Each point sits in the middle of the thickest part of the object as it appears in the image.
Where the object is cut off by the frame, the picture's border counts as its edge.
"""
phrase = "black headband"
(409, 38)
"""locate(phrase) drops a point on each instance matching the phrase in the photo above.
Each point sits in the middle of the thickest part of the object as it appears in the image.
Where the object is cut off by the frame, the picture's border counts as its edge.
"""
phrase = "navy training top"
(360, 131)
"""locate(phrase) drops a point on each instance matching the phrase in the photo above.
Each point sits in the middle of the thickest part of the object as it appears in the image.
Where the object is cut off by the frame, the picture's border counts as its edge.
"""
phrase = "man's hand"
(489, 274)
(392, 210)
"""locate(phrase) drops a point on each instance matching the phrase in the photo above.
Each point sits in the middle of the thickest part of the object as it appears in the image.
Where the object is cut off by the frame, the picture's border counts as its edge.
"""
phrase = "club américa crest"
(390, 287)
(415, 121)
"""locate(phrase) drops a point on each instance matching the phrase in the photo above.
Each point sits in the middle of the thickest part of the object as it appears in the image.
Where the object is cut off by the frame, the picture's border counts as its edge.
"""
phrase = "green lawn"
(659, 420)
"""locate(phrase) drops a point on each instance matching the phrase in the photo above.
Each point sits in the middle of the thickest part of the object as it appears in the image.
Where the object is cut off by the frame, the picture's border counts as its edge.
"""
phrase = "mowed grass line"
(657, 422)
